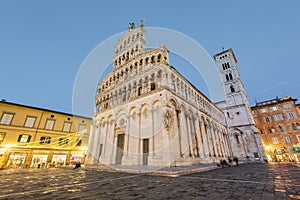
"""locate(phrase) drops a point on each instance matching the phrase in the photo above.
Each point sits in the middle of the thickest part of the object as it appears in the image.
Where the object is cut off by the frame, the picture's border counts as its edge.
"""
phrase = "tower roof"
(226, 51)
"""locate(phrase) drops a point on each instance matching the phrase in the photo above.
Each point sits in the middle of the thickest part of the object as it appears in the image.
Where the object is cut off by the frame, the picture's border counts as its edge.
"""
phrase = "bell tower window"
(232, 89)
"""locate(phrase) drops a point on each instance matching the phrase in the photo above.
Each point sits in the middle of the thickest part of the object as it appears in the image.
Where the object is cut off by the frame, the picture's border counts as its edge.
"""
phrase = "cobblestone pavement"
(246, 181)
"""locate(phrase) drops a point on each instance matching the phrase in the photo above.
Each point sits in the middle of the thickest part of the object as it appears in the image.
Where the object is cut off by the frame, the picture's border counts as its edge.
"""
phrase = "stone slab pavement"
(246, 181)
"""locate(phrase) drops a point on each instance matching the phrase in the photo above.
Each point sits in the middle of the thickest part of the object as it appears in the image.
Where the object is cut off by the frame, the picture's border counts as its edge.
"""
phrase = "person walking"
(236, 160)
(230, 161)
(77, 165)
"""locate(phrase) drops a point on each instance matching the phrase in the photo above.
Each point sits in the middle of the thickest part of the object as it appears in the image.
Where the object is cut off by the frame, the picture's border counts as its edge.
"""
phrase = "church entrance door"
(145, 151)
(120, 149)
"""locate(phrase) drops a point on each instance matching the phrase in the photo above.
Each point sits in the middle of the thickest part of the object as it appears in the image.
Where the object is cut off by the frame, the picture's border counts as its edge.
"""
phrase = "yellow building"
(37, 137)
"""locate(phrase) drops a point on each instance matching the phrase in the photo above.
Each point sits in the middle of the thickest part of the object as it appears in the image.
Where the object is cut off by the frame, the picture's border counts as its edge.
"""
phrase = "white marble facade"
(147, 113)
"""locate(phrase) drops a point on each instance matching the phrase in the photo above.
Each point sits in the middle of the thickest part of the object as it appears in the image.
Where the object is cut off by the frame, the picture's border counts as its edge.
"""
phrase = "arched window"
(298, 126)
(158, 58)
(236, 136)
(139, 91)
(152, 86)
(228, 65)
(232, 89)
(141, 62)
(227, 77)
(147, 60)
(230, 76)
(152, 59)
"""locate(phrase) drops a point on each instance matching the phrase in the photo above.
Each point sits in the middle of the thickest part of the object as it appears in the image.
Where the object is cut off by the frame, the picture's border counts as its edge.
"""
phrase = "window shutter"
(19, 138)
(42, 139)
(29, 137)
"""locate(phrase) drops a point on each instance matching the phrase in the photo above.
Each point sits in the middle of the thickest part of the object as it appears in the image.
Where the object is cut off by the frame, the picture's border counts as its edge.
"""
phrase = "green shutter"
(19, 138)
(42, 139)
(29, 137)
(79, 143)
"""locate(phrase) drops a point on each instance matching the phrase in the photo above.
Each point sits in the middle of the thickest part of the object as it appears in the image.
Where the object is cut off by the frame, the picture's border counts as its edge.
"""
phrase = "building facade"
(147, 113)
(244, 138)
(36, 137)
(278, 123)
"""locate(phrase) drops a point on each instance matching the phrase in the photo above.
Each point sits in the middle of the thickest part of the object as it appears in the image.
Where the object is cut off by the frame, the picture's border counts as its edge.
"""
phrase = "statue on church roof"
(131, 26)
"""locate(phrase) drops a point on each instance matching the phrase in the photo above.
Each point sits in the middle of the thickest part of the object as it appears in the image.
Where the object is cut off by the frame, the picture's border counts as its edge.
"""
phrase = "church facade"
(147, 113)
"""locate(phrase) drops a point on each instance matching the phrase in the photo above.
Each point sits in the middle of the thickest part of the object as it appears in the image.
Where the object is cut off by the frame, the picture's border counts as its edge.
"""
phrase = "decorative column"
(153, 131)
(208, 135)
(95, 139)
(205, 138)
(105, 140)
(179, 130)
(187, 133)
(90, 145)
(127, 134)
(200, 133)
(139, 140)
(114, 141)
(212, 140)
(197, 135)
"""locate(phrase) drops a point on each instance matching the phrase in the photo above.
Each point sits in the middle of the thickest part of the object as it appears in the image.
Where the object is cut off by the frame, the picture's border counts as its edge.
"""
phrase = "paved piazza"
(246, 181)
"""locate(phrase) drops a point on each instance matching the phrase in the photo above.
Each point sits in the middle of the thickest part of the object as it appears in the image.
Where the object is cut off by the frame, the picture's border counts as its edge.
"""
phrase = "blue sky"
(43, 43)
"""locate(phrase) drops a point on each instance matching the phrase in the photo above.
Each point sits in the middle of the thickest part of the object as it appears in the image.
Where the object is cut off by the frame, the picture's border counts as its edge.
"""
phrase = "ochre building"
(37, 137)
(278, 123)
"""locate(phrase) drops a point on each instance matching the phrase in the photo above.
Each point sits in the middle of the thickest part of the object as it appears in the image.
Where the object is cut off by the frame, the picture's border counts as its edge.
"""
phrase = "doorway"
(120, 149)
(145, 151)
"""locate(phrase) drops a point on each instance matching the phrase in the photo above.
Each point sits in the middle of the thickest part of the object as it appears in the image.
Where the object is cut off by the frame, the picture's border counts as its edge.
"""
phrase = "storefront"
(39, 159)
(16, 159)
(59, 158)
(279, 155)
(77, 156)
(2, 157)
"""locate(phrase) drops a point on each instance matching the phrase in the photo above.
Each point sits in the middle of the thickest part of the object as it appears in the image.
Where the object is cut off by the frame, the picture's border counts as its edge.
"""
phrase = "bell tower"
(244, 138)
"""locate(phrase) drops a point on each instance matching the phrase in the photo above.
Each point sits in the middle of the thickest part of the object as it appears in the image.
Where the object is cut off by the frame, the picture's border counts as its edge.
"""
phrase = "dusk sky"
(44, 43)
